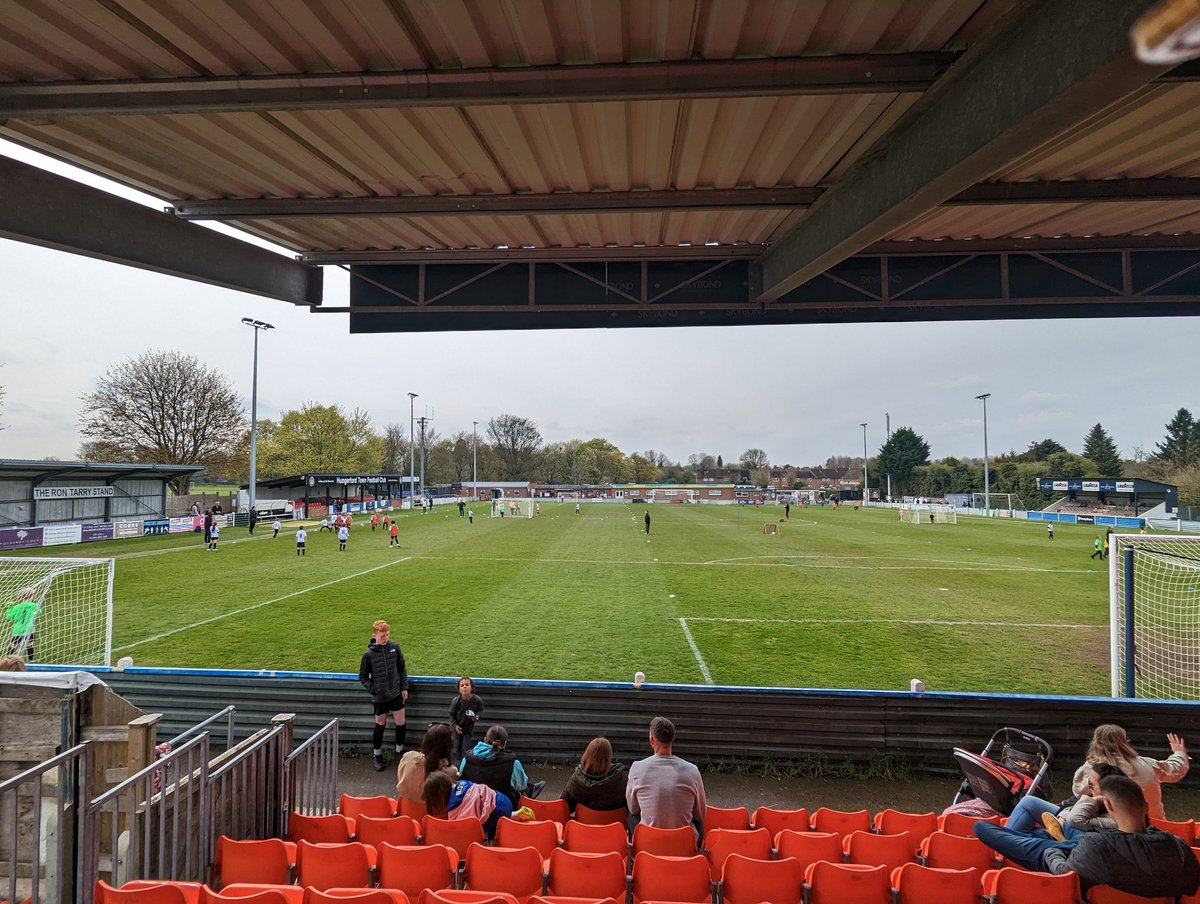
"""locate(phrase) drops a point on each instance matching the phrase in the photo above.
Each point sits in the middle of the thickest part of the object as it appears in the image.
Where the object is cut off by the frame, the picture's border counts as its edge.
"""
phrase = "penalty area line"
(695, 651)
(890, 621)
(278, 599)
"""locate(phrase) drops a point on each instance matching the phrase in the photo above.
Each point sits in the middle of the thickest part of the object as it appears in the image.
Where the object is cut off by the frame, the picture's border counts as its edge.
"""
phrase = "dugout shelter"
(48, 493)
(319, 492)
(1120, 497)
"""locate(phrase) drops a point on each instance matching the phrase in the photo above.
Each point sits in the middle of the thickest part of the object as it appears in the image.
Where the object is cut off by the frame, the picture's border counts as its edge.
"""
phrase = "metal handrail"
(228, 712)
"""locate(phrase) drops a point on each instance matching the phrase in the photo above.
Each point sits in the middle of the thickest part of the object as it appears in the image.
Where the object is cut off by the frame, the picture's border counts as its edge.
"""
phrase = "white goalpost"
(1154, 601)
(513, 507)
(57, 611)
(941, 515)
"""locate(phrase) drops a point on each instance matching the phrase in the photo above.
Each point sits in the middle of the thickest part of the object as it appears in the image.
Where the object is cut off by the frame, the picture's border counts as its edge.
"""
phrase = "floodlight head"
(986, 395)
(257, 324)
(412, 395)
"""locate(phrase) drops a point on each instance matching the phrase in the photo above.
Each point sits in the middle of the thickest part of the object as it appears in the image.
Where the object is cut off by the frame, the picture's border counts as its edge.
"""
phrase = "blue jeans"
(1027, 814)
(1025, 848)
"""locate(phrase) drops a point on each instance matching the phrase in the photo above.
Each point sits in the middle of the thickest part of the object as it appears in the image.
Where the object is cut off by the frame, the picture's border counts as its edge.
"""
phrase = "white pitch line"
(891, 621)
(278, 599)
(695, 651)
(845, 563)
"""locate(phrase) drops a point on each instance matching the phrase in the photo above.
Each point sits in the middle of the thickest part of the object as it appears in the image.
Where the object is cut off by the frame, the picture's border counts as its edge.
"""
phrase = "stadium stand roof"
(670, 162)
(39, 471)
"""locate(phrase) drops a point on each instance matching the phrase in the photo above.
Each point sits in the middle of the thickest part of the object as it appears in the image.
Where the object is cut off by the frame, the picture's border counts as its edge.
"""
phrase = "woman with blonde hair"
(1111, 745)
(597, 781)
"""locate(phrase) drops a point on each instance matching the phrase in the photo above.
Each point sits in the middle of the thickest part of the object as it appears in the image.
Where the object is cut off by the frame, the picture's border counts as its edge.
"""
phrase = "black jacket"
(1150, 863)
(495, 772)
(382, 671)
(600, 792)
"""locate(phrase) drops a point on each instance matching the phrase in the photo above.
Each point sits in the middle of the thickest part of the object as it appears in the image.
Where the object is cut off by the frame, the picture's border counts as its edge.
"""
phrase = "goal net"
(513, 508)
(1154, 600)
(930, 516)
(57, 611)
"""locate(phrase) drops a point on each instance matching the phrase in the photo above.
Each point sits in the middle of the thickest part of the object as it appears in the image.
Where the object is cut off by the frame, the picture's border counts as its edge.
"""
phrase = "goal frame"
(56, 568)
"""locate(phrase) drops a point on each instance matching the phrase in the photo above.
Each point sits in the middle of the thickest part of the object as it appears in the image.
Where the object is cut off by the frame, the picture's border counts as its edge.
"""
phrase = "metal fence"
(245, 789)
(310, 775)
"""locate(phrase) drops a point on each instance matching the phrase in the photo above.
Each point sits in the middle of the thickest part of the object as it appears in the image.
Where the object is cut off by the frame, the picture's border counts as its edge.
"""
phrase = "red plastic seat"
(1018, 886)
(266, 896)
(776, 821)
(1106, 894)
(156, 893)
(332, 829)
(560, 899)
(919, 825)
(193, 892)
(942, 850)
(726, 818)
(586, 875)
(555, 810)
(293, 893)
(840, 821)
(592, 817)
(451, 896)
(847, 883)
(869, 849)
(413, 809)
(584, 838)
(541, 835)
(380, 806)
(807, 848)
(355, 896)
(398, 830)
(268, 861)
(1185, 829)
(514, 871)
(752, 843)
(414, 868)
(916, 884)
(680, 842)
(749, 881)
(457, 834)
(334, 865)
(963, 825)
(658, 878)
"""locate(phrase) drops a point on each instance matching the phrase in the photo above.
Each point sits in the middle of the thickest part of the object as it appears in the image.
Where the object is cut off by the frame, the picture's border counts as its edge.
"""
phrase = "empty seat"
(514, 871)
(586, 875)
(752, 843)
(269, 861)
(334, 865)
(294, 894)
(375, 831)
(658, 878)
(560, 899)
(749, 881)
(963, 825)
(918, 825)
(450, 896)
(541, 835)
(587, 815)
(583, 838)
(355, 896)
(847, 883)
(1018, 886)
(916, 884)
(680, 842)
(193, 892)
(869, 849)
(332, 829)
(265, 896)
(413, 868)
(380, 806)
(152, 893)
(776, 821)
(555, 810)
(809, 847)
(726, 818)
(456, 834)
(841, 821)
(1185, 829)
(413, 809)
(942, 850)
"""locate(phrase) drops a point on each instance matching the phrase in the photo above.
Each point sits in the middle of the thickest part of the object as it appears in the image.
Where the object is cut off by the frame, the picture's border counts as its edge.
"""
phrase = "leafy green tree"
(1067, 465)
(720, 462)
(320, 438)
(644, 470)
(900, 456)
(1098, 445)
(1188, 482)
(461, 455)
(1181, 446)
(164, 408)
(1041, 450)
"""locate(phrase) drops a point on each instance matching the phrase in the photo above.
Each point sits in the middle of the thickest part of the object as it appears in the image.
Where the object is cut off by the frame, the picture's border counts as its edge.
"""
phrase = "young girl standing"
(465, 710)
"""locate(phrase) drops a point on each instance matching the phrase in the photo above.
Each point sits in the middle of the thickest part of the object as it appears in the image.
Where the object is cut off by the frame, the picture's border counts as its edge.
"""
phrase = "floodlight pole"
(423, 421)
(258, 326)
(987, 497)
(888, 430)
(412, 455)
(866, 493)
(475, 459)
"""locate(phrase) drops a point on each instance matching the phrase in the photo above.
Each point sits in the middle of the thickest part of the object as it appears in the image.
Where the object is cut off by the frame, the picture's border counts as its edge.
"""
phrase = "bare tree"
(395, 450)
(164, 408)
(755, 459)
(516, 440)
(461, 454)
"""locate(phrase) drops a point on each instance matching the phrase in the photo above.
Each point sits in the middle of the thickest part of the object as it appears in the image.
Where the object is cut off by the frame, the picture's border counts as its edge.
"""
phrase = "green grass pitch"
(842, 598)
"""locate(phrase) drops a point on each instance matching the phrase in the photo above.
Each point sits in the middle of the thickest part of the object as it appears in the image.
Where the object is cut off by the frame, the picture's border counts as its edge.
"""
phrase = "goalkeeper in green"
(22, 614)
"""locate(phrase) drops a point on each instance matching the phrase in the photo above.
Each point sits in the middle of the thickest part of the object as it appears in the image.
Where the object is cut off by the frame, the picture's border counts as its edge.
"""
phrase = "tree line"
(167, 407)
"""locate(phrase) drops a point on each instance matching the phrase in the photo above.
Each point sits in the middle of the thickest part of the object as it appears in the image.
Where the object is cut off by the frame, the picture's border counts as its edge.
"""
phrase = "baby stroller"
(1013, 764)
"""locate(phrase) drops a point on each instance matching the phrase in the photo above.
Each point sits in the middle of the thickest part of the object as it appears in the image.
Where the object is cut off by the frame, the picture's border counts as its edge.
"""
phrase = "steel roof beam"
(525, 255)
(850, 74)
(49, 210)
(1042, 69)
(675, 201)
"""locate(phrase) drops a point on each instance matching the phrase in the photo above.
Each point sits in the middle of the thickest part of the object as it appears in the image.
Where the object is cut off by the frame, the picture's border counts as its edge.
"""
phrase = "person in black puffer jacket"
(490, 763)
(384, 675)
(597, 781)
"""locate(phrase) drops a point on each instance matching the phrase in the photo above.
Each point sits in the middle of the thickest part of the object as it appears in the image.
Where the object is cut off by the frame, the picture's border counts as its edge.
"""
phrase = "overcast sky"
(799, 392)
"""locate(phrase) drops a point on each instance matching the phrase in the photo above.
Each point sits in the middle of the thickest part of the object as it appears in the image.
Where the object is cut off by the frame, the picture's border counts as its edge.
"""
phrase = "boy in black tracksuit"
(383, 673)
